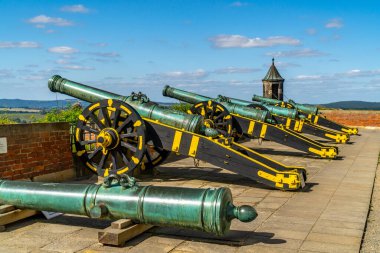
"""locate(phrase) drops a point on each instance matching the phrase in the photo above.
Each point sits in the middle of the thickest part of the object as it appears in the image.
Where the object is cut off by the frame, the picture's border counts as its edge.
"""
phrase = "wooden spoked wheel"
(154, 156)
(154, 153)
(215, 116)
(110, 137)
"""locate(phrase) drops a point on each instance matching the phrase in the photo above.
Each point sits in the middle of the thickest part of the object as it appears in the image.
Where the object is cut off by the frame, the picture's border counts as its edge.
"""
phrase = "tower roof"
(273, 74)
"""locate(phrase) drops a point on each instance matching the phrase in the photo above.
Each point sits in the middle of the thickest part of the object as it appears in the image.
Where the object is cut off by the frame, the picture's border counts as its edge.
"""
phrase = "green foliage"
(4, 120)
(70, 114)
(184, 107)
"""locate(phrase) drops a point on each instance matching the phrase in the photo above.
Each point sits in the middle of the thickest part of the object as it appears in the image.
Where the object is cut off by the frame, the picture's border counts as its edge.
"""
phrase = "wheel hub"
(108, 139)
(209, 123)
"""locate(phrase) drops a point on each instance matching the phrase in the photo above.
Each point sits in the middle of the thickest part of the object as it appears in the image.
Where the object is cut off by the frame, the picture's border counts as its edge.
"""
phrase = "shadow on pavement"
(232, 238)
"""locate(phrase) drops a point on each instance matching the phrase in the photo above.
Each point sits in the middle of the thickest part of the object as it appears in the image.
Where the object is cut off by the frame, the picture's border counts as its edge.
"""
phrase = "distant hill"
(357, 105)
(37, 104)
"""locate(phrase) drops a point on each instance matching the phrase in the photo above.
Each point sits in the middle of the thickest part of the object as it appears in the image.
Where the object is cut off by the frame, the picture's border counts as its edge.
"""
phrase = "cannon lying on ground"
(209, 210)
(308, 111)
(116, 134)
(247, 121)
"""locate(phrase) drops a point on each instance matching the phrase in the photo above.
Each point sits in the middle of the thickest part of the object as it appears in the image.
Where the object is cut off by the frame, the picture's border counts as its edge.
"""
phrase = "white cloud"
(297, 53)
(77, 67)
(308, 77)
(199, 73)
(359, 73)
(22, 44)
(311, 31)
(33, 78)
(107, 55)
(78, 8)
(239, 41)
(283, 64)
(42, 20)
(100, 44)
(62, 50)
(61, 61)
(334, 23)
(233, 70)
(338, 78)
(5, 73)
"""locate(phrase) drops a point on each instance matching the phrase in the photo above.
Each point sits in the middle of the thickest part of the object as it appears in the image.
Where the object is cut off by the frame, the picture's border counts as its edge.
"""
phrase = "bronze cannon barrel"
(146, 108)
(285, 112)
(308, 109)
(209, 210)
(193, 98)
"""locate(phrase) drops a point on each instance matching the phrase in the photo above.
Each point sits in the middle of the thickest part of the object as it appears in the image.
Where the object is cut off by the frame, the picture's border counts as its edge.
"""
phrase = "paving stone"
(156, 244)
(286, 225)
(328, 247)
(5, 235)
(264, 249)
(281, 194)
(100, 248)
(74, 242)
(10, 249)
(293, 219)
(250, 200)
(198, 247)
(272, 202)
(333, 238)
(272, 241)
(326, 229)
(285, 233)
(29, 241)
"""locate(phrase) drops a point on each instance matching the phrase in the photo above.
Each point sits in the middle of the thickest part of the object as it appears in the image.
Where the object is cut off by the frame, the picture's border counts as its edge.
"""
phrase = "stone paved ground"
(328, 216)
(371, 240)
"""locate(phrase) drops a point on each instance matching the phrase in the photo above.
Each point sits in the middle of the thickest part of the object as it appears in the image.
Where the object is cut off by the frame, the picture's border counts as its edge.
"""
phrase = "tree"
(69, 114)
(4, 120)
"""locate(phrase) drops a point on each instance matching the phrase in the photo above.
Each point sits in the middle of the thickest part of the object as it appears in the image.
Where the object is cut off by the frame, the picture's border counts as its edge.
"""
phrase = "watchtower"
(273, 83)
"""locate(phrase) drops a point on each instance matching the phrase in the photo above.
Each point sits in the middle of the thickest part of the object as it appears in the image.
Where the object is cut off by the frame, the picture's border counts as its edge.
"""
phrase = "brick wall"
(35, 150)
(354, 117)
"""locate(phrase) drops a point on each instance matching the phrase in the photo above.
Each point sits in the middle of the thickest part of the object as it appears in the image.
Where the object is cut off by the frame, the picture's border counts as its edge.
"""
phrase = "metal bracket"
(141, 97)
(224, 99)
(123, 180)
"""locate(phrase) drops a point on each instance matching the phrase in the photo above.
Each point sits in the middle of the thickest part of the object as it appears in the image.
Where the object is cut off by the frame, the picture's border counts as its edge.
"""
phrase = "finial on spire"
(273, 60)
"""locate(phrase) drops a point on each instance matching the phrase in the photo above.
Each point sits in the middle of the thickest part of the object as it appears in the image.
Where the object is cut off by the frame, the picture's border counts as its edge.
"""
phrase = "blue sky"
(326, 50)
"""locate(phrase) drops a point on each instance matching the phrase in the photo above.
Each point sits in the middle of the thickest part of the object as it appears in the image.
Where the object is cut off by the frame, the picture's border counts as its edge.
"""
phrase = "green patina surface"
(309, 109)
(209, 210)
(141, 103)
(285, 112)
(235, 108)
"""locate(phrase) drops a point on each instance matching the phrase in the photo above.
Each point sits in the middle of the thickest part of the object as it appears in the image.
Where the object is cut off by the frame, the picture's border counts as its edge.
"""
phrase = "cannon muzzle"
(210, 210)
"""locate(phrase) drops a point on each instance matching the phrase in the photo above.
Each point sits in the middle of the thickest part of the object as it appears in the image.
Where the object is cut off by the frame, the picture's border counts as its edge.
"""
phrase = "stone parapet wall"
(34, 150)
(354, 117)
